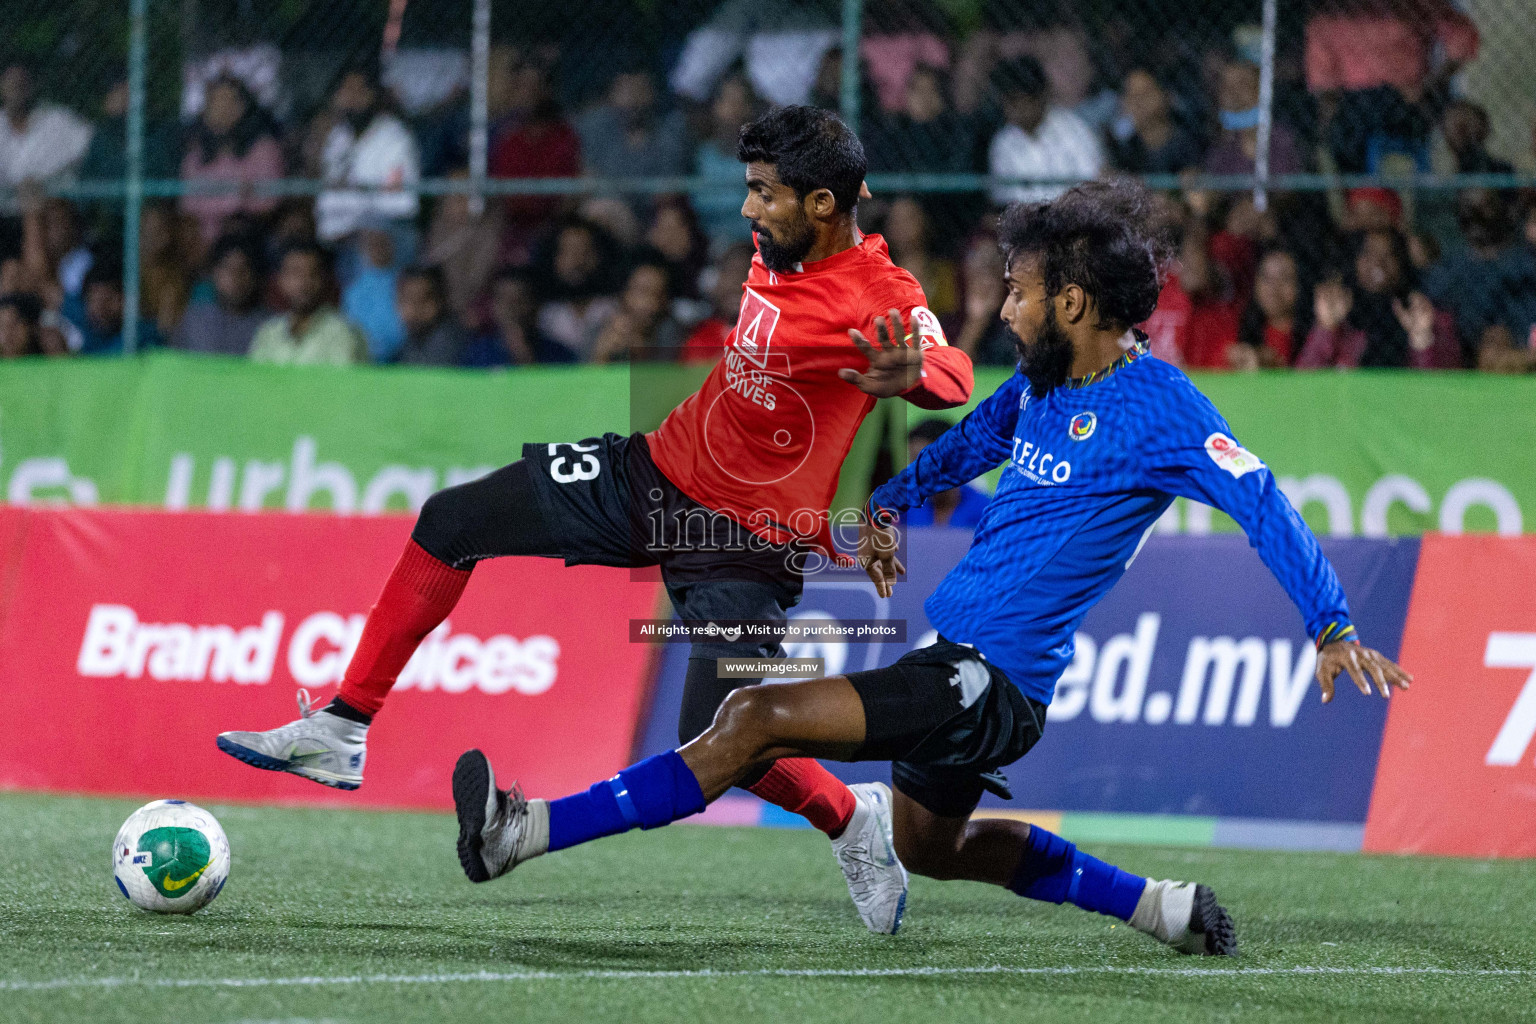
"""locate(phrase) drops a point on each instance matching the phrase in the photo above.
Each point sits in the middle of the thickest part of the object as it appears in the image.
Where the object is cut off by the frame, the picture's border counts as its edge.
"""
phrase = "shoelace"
(510, 810)
(516, 802)
(513, 806)
(864, 865)
(306, 707)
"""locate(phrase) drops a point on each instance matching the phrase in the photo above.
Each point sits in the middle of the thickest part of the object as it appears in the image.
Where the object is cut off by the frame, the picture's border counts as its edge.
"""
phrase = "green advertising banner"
(193, 432)
(1360, 453)
(1374, 453)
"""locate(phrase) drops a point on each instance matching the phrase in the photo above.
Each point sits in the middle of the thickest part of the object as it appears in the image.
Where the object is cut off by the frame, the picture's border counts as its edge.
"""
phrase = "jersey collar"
(1137, 348)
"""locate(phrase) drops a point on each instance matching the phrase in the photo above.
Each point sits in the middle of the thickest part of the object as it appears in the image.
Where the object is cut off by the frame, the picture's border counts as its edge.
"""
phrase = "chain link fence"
(557, 182)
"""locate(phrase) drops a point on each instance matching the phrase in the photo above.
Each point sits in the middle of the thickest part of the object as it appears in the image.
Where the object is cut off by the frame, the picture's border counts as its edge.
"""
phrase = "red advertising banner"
(1457, 773)
(129, 640)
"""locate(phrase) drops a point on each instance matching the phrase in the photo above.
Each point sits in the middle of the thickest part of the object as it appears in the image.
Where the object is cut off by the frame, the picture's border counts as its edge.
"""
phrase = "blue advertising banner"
(1191, 692)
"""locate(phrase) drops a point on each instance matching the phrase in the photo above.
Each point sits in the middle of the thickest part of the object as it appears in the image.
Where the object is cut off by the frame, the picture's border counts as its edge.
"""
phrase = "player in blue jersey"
(1097, 438)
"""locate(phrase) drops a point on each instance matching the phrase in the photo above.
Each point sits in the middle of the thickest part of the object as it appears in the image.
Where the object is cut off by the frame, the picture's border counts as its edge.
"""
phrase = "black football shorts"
(607, 503)
(947, 720)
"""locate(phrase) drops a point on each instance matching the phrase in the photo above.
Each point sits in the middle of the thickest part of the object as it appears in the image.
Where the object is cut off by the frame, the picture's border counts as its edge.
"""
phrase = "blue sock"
(655, 792)
(1056, 871)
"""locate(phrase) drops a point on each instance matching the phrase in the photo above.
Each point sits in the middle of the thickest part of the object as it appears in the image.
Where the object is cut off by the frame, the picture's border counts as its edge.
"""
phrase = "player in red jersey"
(729, 496)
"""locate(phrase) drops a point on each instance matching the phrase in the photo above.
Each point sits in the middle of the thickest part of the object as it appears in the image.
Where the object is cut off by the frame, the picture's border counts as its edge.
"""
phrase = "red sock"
(801, 785)
(417, 597)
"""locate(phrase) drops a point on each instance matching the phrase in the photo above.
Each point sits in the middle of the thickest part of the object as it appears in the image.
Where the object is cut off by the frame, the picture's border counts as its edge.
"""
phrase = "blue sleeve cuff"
(1339, 629)
(881, 512)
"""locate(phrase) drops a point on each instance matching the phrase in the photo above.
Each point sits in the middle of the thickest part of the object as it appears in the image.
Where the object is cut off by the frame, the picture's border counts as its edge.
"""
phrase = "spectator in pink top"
(898, 39)
(1378, 317)
(1381, 70)
(233, 140)
(1361, 44)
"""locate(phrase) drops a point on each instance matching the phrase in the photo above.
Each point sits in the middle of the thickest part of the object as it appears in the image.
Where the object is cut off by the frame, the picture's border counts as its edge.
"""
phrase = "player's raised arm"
(910, 358)
(1196, 457)
(946, 378)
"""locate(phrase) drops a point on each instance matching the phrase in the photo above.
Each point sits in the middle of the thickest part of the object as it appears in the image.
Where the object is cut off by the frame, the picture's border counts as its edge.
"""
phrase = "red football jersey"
(765, 436)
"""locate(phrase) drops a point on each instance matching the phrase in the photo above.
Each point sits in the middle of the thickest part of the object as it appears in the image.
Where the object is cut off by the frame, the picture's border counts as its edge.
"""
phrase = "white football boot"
(1185, 916)
(865, 851)
(498, 829)
(320, 746)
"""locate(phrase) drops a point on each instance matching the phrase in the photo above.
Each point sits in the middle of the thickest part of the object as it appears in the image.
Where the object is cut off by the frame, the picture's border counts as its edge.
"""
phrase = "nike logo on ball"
(173, 884)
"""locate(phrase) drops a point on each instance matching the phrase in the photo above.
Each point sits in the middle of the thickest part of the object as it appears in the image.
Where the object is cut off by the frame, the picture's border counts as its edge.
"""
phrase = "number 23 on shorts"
(586, 469)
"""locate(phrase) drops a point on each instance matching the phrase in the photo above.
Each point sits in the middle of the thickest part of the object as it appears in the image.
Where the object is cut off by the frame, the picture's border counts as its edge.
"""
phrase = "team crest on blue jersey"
(1083, 426)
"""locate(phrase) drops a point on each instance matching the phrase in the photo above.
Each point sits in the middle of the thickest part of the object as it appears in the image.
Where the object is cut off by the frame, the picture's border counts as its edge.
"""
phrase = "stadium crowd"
(1366, 277)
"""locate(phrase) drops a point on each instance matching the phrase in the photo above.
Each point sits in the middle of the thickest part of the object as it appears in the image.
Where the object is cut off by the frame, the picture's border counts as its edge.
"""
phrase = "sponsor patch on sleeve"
(925, 327)
(1230, 455)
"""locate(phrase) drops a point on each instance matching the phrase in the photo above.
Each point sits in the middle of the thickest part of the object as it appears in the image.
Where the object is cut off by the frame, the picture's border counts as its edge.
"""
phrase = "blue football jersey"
(1088, 471)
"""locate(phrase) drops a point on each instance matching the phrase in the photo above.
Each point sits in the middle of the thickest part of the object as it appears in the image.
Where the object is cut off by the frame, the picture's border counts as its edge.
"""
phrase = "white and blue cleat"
(1187, 917)
(867, 854)
(321, 747)
(498, 828)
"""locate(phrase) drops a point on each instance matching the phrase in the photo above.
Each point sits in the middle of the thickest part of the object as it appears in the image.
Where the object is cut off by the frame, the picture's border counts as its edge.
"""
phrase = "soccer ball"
(170, 857)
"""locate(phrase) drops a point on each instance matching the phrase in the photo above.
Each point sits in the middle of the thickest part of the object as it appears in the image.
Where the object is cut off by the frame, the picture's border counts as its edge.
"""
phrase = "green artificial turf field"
(360, 916)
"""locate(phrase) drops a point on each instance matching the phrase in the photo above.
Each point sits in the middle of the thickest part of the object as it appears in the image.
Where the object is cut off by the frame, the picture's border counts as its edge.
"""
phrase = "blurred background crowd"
(361, 103)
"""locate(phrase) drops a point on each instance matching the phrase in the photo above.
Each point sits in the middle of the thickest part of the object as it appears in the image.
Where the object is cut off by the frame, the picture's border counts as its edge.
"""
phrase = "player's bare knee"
(745, 719)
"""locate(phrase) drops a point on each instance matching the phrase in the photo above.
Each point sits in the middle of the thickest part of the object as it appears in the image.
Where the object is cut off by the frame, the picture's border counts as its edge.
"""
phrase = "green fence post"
(1266, 108)
(853, 12)
(133, 198)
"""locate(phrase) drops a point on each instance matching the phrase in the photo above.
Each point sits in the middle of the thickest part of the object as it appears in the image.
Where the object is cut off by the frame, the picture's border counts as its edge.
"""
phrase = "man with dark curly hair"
(1097, 437)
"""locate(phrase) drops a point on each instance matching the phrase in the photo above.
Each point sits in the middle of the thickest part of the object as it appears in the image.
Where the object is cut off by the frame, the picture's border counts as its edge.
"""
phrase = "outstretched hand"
(1363, 665)
(877, 555)
(894, 365)
(1417, 317)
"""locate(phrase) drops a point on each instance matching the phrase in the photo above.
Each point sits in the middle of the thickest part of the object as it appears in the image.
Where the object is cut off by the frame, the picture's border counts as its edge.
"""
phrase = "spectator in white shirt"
(367, 145)
(779, 42)
(38, 141)
(1037, 140)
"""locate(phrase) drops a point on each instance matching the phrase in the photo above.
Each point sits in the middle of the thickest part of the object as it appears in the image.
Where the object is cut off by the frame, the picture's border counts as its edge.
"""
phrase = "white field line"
(873, 972)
